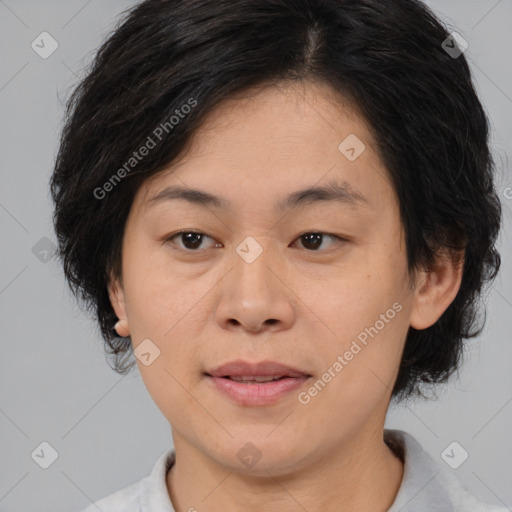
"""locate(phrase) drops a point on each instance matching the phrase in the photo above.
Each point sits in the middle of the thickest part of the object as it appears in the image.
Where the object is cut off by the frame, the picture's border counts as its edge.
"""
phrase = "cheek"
(365, 317)
(355, 302)
(158, 297)
(171, 311)
(359, 365)
(167, 389)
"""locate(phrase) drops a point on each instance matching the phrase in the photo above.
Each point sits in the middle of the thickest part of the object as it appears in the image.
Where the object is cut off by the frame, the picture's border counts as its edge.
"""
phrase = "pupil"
(192, 238)
(315, 238)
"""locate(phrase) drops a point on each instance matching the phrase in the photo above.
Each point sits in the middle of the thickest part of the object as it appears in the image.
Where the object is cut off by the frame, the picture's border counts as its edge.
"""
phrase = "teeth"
(254, 379)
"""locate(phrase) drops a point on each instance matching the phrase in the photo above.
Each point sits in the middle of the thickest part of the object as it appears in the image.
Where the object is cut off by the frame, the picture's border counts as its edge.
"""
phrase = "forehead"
(258, 145)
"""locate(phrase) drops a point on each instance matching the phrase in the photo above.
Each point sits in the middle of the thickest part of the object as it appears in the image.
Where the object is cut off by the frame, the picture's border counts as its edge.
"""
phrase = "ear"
(117, 299)
(436, 288)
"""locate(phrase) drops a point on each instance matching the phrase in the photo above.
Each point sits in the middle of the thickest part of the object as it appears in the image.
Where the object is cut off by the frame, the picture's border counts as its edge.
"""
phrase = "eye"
(313, 240)
(191, 239)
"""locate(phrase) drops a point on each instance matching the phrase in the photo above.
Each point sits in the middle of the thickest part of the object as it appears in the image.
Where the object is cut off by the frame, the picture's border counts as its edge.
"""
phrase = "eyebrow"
(333, 191)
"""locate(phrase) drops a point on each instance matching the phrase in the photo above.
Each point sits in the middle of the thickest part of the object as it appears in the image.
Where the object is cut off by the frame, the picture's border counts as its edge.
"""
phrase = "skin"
(297, 303)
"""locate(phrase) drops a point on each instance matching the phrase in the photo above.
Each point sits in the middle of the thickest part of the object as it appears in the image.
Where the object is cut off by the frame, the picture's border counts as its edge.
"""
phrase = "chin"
(260, 456)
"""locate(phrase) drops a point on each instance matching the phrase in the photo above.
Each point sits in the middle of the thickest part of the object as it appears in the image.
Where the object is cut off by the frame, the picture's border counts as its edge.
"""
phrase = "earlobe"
(436, 289)
(121, 327)
(116, 295)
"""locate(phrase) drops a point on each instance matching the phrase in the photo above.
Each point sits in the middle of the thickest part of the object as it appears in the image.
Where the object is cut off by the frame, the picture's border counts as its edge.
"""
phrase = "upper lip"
(241, 368)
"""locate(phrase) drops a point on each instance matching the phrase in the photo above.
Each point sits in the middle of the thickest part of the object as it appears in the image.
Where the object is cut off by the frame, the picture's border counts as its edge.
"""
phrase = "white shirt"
(425, 487)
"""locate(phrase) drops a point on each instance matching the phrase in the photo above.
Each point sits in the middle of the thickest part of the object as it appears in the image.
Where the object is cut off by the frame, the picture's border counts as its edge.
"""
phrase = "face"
(317, 282)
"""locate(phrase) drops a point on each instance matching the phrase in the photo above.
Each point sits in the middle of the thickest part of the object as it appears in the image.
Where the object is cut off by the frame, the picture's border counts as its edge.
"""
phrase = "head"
(380, 262)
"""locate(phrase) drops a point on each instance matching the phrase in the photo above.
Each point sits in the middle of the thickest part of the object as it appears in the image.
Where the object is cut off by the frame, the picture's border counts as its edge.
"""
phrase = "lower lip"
(262, 393)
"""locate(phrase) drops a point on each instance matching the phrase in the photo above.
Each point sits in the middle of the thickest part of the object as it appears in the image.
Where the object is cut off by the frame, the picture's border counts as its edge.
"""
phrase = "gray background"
(55, 385)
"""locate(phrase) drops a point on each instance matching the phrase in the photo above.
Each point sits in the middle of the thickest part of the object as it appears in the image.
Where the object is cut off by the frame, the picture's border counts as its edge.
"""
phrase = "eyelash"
(170, 238)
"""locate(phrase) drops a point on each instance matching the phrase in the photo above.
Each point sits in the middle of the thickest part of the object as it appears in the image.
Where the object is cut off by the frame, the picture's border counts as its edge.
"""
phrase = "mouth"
(252, 384)
(258, 379)
(263, 371)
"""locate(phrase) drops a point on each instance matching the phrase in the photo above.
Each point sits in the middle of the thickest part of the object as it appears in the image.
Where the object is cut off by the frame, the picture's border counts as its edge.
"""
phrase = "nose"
(255, 295)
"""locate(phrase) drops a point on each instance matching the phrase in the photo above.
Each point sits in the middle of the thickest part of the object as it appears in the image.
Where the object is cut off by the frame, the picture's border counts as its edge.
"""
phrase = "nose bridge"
(252, 295)
(252, 273)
